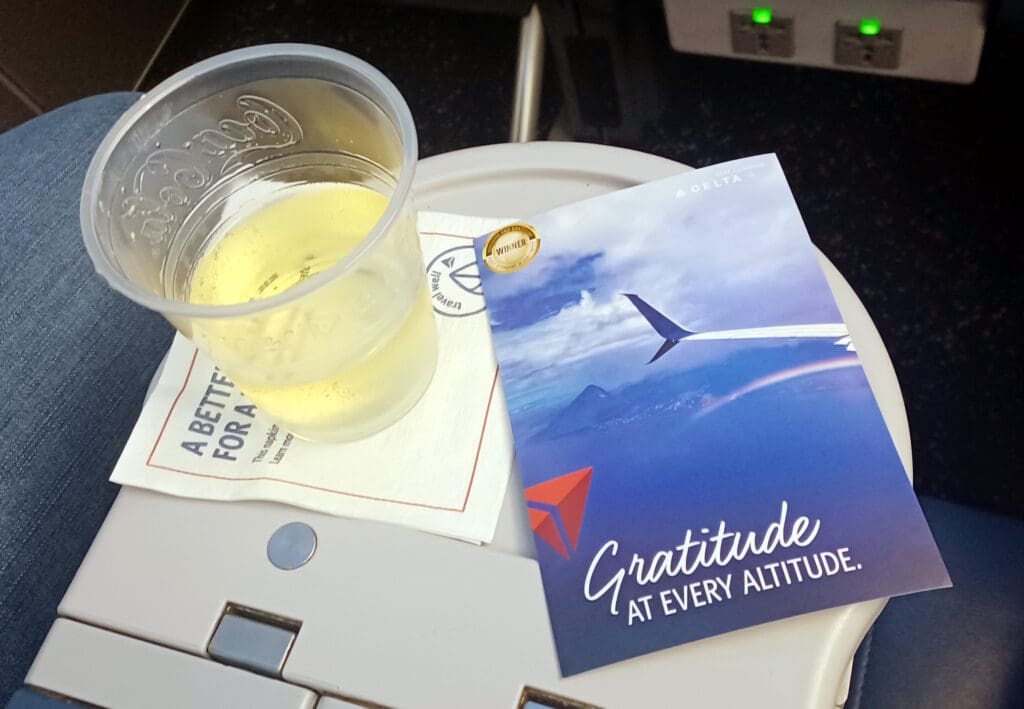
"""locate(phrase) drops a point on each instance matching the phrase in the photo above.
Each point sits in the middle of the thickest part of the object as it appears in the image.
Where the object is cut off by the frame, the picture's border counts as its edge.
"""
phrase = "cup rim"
(90, 189)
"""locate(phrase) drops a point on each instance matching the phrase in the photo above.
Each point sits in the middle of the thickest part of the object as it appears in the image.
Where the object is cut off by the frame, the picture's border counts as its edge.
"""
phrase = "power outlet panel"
(939, 40)
(773, 38)
(877, 50)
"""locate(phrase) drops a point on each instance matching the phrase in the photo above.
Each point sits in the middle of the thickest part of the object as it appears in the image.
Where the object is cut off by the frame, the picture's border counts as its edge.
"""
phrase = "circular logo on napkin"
(511, 248)
(454, 279)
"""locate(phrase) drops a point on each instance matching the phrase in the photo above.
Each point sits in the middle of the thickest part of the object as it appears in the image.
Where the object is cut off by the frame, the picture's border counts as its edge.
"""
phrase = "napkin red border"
(461, 509)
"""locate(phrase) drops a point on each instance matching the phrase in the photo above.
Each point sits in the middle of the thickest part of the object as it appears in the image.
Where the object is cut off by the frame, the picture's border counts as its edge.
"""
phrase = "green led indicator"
(761, 15)
(870, 26)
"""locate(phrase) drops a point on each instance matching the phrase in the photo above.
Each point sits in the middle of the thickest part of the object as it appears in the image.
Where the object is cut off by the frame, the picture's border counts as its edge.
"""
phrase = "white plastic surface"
(334, 703)
(406, 619)
(110, 670)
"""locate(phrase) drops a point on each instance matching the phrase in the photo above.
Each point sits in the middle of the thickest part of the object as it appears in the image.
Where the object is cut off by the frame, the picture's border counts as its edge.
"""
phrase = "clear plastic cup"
(279, 177)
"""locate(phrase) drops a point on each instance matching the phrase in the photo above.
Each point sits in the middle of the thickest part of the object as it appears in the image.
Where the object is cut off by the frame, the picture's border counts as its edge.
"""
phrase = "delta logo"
(556, 509)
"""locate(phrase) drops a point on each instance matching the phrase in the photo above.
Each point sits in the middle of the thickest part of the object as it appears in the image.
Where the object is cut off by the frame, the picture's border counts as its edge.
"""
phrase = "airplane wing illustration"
(674, 333)
(837, 331)
(662, 325)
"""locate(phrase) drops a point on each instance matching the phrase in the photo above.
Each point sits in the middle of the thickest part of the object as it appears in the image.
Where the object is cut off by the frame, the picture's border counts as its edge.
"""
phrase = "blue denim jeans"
(75, 360)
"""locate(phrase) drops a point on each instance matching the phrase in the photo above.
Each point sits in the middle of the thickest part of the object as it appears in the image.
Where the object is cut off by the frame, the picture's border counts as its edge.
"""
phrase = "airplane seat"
(960, 647)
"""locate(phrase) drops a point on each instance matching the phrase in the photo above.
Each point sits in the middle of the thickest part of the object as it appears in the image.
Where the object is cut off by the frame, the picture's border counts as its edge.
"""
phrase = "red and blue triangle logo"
(564, 497)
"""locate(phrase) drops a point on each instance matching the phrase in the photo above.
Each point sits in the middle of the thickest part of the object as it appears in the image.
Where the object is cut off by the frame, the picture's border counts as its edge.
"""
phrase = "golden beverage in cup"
(260, 201)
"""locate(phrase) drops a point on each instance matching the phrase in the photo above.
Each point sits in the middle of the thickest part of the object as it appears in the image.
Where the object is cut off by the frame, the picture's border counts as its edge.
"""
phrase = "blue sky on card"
(566, 280)
(713, 249)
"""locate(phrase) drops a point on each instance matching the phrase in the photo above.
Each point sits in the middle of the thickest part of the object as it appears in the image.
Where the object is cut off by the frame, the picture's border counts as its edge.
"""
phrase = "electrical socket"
(876, 51)
(774, 39)
(938, 40)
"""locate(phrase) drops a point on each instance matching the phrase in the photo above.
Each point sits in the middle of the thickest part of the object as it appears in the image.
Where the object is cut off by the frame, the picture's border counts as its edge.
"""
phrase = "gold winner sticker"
(511, 248)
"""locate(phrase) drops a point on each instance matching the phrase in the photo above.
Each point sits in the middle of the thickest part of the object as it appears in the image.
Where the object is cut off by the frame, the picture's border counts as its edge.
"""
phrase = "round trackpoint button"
(291, 546)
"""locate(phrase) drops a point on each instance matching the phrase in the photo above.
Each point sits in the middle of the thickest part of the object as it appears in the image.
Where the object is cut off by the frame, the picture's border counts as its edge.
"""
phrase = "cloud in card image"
(665, 247)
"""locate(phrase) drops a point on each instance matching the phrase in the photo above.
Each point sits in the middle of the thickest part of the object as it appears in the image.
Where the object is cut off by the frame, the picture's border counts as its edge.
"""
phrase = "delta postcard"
(699, 445)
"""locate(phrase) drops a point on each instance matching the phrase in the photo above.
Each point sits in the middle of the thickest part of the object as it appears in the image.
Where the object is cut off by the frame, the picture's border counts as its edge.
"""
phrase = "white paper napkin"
(443, 468)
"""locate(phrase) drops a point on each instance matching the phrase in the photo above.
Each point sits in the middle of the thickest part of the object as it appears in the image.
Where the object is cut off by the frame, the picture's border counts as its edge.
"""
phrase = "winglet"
(665, 347)
(662, 325)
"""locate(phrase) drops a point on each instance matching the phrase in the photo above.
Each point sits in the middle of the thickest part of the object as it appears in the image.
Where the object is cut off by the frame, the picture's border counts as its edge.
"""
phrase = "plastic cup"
(346, 350)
